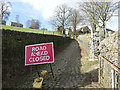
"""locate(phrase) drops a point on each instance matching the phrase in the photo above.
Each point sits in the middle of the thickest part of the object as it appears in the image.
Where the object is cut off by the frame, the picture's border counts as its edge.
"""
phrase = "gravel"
(85, 41)
(67, 70)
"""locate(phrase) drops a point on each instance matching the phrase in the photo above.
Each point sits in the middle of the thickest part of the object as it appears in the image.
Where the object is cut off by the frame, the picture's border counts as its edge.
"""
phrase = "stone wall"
(109, 49)
(13, 53)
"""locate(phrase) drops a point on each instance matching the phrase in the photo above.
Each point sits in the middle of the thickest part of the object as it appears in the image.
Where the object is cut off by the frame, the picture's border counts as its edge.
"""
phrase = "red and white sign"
(39, 54)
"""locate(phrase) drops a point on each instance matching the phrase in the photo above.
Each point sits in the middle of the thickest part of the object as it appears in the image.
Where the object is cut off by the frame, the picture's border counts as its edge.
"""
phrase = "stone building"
(15, 24)
(84, 29)
(3, 22)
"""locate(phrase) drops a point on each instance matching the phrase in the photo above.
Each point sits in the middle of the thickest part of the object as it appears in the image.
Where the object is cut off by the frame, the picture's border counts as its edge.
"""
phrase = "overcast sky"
(43, 10)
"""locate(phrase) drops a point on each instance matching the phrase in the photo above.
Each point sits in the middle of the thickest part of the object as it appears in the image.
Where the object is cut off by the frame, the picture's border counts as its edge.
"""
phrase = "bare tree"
(75, 19)
(97, 13)
(89, 13)
(28, 23)
(70, 31)
(61, 17)
(4, 10)
(105, 11)
(33, 24)
(37, 24)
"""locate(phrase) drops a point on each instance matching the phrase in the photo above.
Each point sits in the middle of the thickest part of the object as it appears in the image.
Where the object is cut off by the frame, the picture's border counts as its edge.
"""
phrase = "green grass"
(86, 64)
(89, 63)
(30, 30)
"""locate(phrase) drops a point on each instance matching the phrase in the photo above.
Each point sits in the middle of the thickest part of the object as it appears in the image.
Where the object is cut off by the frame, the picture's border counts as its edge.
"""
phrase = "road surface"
(71, 70)
(67, 70)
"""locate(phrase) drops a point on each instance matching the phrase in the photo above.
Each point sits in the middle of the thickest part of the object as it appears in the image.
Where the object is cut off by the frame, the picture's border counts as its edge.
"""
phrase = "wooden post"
(113, 80)
(51, 69)
(31, 72)
(37, 71)
(99, 70)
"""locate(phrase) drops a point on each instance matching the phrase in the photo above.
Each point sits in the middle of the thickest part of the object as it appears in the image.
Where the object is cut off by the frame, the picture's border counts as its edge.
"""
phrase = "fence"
(110, 79)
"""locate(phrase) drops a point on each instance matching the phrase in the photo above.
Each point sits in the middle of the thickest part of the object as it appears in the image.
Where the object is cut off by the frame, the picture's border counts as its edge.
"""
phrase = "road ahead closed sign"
(39, 54)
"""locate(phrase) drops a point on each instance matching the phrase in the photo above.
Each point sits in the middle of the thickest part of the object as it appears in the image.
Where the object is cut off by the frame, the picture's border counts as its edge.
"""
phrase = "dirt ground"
(73, 70)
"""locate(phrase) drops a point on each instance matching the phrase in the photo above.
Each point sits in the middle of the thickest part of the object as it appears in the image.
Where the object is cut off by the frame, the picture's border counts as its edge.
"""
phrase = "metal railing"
(114, 71)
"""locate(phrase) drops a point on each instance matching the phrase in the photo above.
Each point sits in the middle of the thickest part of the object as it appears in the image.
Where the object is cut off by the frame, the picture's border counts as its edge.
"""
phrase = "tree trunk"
(103, 26)
(63, 28)
(94, 28)
(75, 30)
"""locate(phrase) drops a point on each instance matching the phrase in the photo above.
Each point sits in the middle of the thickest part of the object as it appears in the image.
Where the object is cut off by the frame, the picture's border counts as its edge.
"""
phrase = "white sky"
(46, 7)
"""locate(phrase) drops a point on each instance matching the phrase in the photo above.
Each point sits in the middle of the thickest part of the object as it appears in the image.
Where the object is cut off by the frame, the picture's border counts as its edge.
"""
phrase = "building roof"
(109, 30)
(84, 29)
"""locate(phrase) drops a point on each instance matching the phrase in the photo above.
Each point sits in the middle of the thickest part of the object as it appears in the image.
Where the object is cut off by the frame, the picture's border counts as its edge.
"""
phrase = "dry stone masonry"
(109, 49)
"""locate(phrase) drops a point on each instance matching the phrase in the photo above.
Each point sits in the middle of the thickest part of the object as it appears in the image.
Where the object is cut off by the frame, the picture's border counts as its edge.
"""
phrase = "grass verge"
(30, 30)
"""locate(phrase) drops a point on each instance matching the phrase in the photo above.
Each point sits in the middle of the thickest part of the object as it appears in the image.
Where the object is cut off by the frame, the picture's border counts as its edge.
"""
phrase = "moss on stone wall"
(13, 52)
(109, 49)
